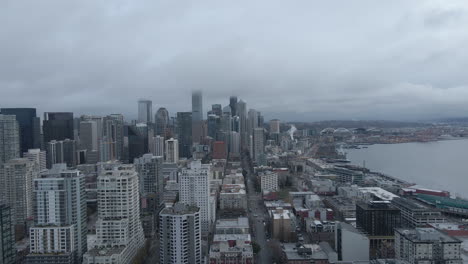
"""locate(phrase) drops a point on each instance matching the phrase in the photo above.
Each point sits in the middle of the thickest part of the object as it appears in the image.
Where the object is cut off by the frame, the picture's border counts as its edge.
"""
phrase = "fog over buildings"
(295, 60)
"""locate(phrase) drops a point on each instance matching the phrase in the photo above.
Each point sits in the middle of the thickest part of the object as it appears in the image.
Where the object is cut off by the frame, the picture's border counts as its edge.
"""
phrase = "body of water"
(438, 165)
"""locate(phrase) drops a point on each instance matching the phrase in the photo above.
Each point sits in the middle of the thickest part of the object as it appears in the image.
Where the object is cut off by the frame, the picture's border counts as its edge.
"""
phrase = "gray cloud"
(299, 60)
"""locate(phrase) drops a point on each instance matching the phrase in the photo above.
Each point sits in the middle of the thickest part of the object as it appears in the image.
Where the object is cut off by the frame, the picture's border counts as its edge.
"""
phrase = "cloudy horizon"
(295, 60)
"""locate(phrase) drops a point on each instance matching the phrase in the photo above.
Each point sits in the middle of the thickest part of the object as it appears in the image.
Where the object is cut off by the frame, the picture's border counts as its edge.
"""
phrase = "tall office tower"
(63, 151)
(16, 178)
(236, 123)
(378, 220)
(157, 146)
(9, 138)
(7, 240)
(39, 157)
(234, 143)
(427, 245)
(59, 232)
(57, 126)
(261, 121)
(137, 140)
(274, 126)
(172, 150)
(180, 235)
(214, 126)
(184, 134)
(258, 143)
(233, 105)
(197, 117)
(118, 228)
(216, 109)
(150, 174)
(145, 111)
(226, 119)
(242, 113)
(162, 121)
(252, 121)
(29, 125)
(195, 190)
(113, 136)
(89, 135)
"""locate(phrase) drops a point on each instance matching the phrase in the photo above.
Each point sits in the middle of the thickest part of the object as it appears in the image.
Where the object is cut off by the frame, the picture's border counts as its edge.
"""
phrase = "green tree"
(256, 247)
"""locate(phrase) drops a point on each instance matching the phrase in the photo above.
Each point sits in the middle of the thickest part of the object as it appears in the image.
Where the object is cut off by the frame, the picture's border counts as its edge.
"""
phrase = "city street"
(257, 215)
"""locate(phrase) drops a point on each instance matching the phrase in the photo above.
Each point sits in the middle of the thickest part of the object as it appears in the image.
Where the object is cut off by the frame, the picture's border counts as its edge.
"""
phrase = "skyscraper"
(252, 121)
(118, 228)
(216, 109)
(184, 134)
(9, 138)
(233, 105)
(137, 140)
(157, 146)
(274, 126)
(113, 137)
(7, 240)
(214, 126)
(162, 121)
(258, 143)
(59, 232)
(150, 174)
(63, 151)
(180, 235)
(89, 136)
(16, 178)
(57, 126)
(172, 150)
(242, 113)
(145, 111)
(197, 117)
(29, 125)
(195, 190)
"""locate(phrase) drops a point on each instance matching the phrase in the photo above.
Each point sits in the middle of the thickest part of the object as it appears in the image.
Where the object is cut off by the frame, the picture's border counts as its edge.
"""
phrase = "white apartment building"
(269, 181)
(39, 157)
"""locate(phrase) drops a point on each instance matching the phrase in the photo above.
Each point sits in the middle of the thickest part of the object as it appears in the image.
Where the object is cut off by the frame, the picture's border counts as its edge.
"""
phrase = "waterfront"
(440, 164)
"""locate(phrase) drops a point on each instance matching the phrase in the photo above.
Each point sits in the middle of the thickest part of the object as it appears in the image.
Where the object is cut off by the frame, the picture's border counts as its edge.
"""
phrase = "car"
(255, 215)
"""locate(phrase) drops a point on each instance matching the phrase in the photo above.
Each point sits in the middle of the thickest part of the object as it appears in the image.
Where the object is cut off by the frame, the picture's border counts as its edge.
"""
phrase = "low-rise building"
(233, 196)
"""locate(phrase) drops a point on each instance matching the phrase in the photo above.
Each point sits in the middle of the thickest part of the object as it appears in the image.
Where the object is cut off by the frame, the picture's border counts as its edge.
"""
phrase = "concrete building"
(180, 235)
(89, 136)
(195, 190)
(184, 133)
(197, 116)
(63, 151)
(157, 146)
(118, 228)
(9, 138)
(234, 143)
(426, 245)
(269, 181)
(170, 171)
(241, 112)
(60, 219)
(233, 251)
(172, 150)
(145, 111)
(16, 177)
(414, 214)
(151, 178)
(233, 197)
(282, 224)
(232, 226)
(37, 156)
(350, 243)
(258, 144)
(7, 239)
(219, 150)
(274, 126)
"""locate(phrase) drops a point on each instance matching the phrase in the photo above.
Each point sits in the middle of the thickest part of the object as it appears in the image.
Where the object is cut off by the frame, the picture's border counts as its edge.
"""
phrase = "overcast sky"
(296, 60)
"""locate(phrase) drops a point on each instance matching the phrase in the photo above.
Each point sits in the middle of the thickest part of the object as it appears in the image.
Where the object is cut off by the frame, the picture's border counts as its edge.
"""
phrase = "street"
(257, 216)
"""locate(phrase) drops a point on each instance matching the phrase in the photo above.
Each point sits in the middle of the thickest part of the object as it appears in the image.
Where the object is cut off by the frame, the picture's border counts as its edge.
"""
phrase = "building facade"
(9, 138)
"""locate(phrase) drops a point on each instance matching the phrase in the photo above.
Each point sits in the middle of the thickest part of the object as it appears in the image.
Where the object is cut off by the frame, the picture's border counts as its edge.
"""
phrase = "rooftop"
(180, 209)
(425, 235)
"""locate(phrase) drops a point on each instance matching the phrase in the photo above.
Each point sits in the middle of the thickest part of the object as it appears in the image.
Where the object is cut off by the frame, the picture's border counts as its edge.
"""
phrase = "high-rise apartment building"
(242, 113)
(57, 126)
(172, 150)
(113, 137)
(184, 134)
(150, 174)
(118, 228)
(180, 235)
(157, 146)
(233, 105)
(29, 125)
(7, 239)
(258, 144)
(16, 176)
(252, 121)
(195, 190)
(59, 232)
(145, 111)
(39, 157)
(9, 138)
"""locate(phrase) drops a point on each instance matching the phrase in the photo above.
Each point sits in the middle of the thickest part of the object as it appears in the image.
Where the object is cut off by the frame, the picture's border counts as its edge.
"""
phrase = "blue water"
(439, 165)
